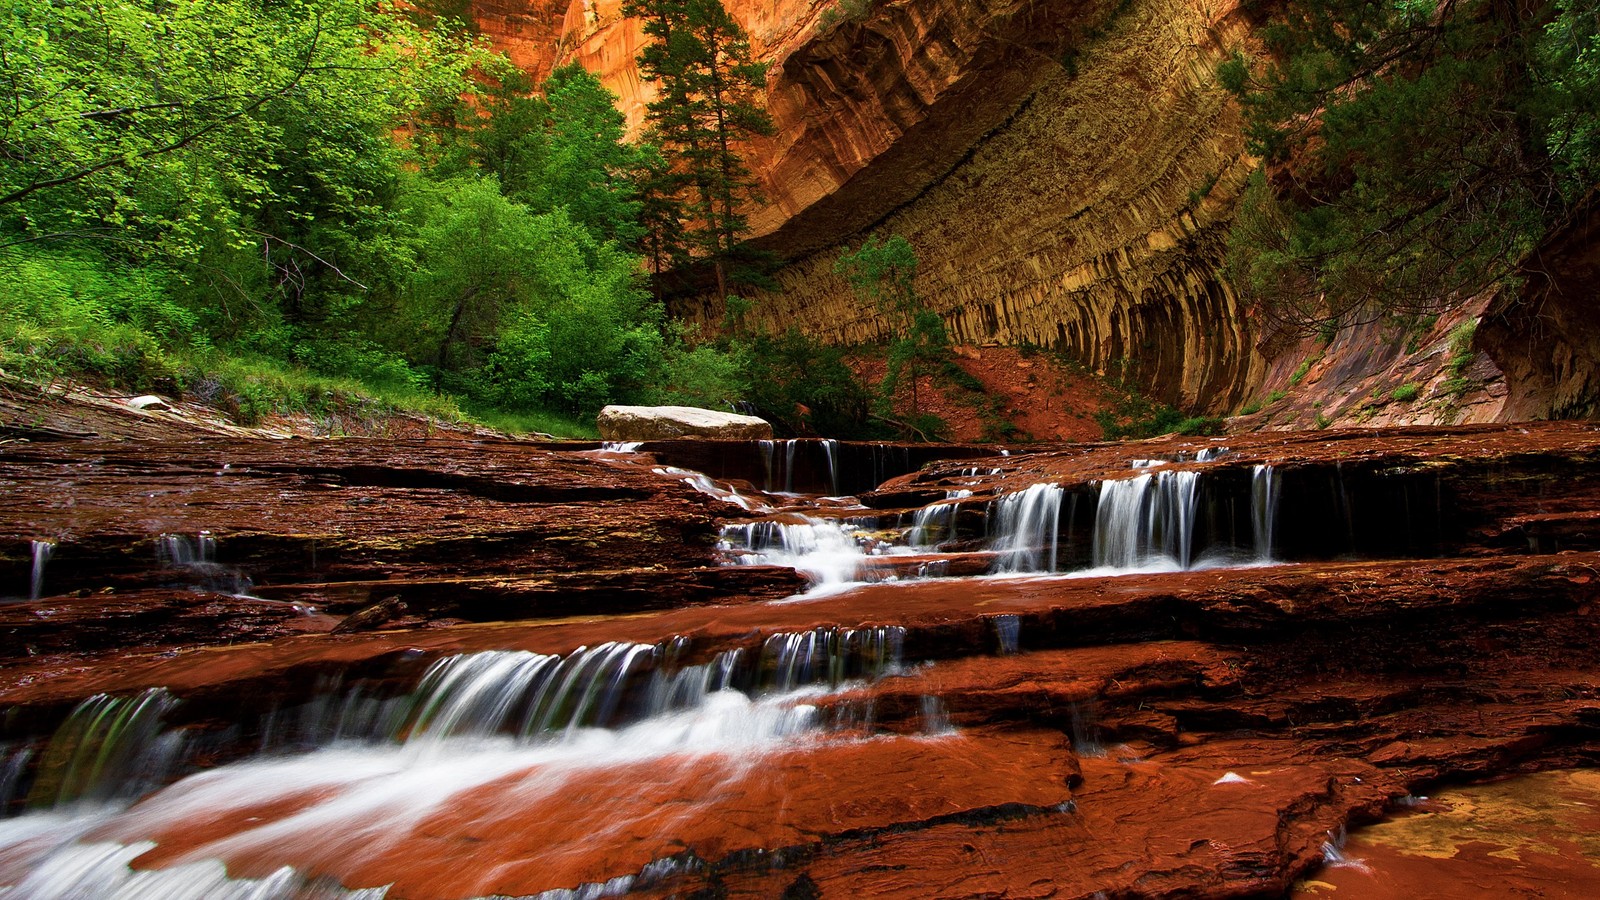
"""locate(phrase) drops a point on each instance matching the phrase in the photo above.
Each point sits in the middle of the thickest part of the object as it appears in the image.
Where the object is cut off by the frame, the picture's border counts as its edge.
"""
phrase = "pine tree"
(709, 99)
(1418, 151)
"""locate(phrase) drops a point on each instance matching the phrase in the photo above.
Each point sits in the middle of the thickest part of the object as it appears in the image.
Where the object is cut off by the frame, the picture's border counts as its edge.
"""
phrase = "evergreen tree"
(1416, 151)
(709, 99)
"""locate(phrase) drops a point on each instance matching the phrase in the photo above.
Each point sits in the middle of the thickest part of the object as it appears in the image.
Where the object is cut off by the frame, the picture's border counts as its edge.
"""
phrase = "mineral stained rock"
(1198, 733)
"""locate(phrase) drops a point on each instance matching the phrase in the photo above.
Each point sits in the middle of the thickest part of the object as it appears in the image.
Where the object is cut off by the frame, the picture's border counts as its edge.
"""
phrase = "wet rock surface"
(1429, 618)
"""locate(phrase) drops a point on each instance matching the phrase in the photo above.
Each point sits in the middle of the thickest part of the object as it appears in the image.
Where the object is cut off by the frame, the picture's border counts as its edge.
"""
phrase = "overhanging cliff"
(1090, 219)
(1065, 171)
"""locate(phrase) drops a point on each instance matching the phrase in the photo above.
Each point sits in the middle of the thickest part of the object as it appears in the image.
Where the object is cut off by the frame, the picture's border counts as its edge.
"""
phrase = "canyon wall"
(1067, 173)
(1090, 220)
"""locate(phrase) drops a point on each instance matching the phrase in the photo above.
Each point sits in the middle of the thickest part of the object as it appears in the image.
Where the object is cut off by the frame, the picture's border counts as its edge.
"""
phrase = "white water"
(199, 558)
(830, 449)
(42, 551)
(1263, 510)
(933, 524)
(508, 725)
(1146, 521)
(830, 553)
(705, 484)
(1028, 530)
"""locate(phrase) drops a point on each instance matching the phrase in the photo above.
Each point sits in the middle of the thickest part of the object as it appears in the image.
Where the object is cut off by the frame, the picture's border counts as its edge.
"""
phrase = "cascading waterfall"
(1144, 520)
(933, 524)
(768, 451)
(109, 748)
(935, 718)
(199, 557)
(1028, 530)
(829, 553)
(513, 723)
(705, 484)
(42, 551)
(1263, 509)
(831, 656)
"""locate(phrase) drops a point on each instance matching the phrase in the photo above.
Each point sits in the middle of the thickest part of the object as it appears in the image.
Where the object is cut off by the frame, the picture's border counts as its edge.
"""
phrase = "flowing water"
(344, 781)
(339, 783)
(42, 551)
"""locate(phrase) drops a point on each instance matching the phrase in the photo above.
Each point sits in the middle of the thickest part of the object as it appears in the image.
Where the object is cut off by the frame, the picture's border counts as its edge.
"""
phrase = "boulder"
(149, 401)
(664, 423)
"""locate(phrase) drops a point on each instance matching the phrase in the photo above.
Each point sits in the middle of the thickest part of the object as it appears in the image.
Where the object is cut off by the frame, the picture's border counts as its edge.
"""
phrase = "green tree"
(884, 272)
(248, 147)
(710, 97)
(1416, 151)
(514, 308)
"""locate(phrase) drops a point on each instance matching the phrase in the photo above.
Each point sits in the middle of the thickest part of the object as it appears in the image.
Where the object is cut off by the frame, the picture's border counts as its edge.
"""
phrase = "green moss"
(1405, 393)
(1300, 373)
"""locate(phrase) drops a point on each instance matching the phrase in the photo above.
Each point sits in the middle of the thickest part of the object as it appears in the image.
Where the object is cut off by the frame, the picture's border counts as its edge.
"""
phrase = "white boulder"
(665, 423)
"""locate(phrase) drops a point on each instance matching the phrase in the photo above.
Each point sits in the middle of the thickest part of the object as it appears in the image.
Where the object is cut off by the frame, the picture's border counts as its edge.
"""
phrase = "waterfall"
(705, 484)
(109, 748)
(1029, 529)
(933, 524)
(1007, 632)
(511, 724)
(788, 465)
(199, 557)
(1146, 519)
(620, 446)
(830, 656)
(42, 551)
(1263, 509)
(768, 451)
(935, 718)
(826, 552)
(830, 450)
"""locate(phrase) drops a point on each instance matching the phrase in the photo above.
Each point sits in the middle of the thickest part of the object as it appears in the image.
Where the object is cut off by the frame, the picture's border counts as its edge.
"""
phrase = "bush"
(803, 387)
(1405, 393)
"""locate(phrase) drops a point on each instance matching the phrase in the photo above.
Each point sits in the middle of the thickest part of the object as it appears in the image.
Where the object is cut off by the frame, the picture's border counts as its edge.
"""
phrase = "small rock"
(373, 617)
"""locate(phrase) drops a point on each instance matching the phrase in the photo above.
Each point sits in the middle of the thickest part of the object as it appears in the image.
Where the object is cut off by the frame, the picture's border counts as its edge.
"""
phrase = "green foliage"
(1302, 370)
(702, 374)
(1321, 422)
(1461, 356)
(804, 387)
(1136, 416)
(274, 200)
(884, 272)
(844, 11)
(1461, 351)
(1405, 393)
(1419, 151)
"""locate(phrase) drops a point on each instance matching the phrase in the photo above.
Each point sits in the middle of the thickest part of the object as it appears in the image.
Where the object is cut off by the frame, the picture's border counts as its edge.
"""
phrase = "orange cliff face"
(526, 31)
(904, 92)
(1066, 171)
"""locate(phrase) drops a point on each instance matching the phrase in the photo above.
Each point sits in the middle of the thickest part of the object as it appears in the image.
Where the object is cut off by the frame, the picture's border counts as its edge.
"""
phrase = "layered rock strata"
(1198, 733)
(1090, 220)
